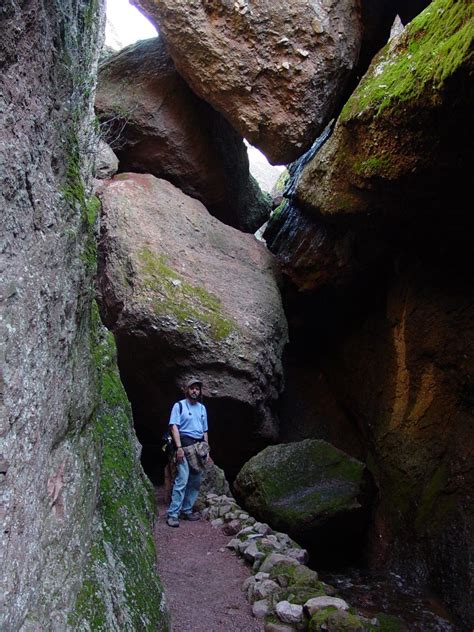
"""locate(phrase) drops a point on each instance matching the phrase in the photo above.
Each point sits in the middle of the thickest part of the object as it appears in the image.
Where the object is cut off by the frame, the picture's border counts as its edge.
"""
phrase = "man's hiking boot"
(172, 522)
(190, 516)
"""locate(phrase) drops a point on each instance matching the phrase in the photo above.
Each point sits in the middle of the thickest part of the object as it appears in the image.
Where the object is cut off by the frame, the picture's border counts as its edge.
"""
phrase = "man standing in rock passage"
(188, 427)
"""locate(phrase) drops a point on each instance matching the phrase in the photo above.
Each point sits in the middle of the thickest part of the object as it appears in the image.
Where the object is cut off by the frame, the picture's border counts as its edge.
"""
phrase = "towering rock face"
(185, 295)
(275, 70)
(158, 125)
(65, 420)
(381, 207)
(405, 374)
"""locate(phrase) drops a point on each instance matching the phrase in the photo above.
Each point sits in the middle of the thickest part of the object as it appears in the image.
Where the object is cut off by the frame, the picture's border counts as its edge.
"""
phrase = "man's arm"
(177, 441)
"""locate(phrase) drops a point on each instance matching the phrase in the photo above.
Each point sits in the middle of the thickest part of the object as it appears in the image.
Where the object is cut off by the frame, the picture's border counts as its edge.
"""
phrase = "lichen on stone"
(175, 297)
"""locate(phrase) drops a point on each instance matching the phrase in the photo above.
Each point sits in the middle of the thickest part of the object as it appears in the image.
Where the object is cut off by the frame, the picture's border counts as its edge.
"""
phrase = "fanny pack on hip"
(196, 455)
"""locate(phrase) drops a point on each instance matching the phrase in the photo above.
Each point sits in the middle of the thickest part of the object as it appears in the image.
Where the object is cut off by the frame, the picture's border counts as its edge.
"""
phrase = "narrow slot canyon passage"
(202, 578)
(325, 304)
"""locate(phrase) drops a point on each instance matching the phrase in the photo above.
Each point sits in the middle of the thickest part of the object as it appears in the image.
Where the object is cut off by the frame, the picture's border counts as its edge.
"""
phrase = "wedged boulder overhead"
(276, 70)
(395, 149)
(157, 125)
(185, 294)
(298, 487)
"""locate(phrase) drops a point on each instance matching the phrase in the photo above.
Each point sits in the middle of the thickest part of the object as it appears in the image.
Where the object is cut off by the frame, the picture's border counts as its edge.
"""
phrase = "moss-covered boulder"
(395, 162)
(332, 620)
(299, 583)
(396, 144)
(297, 487)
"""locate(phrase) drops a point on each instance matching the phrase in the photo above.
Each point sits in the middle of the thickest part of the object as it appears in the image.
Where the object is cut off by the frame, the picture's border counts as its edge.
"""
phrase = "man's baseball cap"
(191, 382)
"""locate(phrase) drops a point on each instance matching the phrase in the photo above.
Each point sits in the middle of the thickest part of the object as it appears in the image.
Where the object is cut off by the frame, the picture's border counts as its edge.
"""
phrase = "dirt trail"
(202, 578)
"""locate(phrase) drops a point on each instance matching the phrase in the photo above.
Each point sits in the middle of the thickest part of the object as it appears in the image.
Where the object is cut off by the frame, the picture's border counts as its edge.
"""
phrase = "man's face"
(194, 391)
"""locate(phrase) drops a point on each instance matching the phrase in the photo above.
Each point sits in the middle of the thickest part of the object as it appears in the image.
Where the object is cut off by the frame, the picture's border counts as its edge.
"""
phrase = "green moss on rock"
(300, 485)
(389, 623)
(372, 166)
(120, 582)
(434, 45)
(333, 620)
(177, 298)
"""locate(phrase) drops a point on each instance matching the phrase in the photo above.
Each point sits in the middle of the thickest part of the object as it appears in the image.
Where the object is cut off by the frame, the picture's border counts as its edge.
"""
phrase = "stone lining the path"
(283, 591)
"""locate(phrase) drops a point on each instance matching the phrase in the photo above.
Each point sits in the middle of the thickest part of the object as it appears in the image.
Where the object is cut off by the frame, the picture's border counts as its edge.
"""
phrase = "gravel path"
(202, 578)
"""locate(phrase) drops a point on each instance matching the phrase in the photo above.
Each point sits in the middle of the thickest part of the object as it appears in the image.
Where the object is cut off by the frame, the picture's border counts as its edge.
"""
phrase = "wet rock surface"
(274, 70)
(185, 294)
(157, 125)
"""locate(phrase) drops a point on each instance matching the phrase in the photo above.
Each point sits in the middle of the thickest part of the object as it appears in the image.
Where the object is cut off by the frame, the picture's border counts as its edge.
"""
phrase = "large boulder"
(184, 295)
(297, 487)
(276, 70)
(157, 125)
(396, 146)
(393, 164)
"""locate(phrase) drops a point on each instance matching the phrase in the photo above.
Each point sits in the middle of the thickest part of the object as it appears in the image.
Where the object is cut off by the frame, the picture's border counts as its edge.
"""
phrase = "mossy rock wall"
(76, 548)
(121, 589)
(396, 147)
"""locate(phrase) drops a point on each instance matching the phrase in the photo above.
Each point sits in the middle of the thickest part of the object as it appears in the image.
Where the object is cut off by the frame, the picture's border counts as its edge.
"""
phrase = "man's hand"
(180, 455)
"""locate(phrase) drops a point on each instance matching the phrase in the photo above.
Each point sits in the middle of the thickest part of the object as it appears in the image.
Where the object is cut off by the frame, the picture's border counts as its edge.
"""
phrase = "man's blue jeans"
(185, 490)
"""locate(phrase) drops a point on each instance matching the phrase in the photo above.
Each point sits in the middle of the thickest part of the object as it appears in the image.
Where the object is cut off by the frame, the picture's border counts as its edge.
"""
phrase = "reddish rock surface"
(405, 373)
(186, 294)
(276, 70)
(157, 125)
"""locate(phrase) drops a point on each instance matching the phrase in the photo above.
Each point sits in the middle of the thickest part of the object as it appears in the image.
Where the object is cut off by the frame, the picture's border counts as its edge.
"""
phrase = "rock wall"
(66, 443)
(379, 215)
(405, 373)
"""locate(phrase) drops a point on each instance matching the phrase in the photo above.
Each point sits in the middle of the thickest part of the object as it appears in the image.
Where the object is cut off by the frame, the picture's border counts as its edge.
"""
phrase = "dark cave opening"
(150, 375)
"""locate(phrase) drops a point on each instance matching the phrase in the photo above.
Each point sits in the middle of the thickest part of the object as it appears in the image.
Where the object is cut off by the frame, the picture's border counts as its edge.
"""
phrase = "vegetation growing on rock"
(120, 586)
(432, 48)
(176, 297)
(300, 485)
